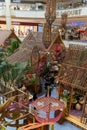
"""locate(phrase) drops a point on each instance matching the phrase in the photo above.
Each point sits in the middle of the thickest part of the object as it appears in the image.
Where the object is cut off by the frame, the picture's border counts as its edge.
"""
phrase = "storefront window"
(20, 28)
(2, 27)
(17, 1)
(40, 28)
(22, 31)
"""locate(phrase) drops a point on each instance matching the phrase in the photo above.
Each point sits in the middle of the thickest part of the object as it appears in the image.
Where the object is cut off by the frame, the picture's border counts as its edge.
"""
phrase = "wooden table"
(47, 105)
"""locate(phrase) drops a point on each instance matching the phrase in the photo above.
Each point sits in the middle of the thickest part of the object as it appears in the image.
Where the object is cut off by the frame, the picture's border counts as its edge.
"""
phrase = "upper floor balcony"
(75, 12)
(37, 10)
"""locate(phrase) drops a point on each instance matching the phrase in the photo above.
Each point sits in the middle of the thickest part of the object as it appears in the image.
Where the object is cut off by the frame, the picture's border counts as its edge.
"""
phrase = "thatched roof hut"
(5, 35)
(33, 39)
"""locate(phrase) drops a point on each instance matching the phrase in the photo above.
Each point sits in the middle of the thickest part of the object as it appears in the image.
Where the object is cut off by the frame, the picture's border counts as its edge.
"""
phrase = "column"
(36, 6)
(8, 14)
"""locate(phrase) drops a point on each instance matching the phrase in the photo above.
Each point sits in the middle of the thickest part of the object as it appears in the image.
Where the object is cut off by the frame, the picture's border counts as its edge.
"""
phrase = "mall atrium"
(43, 64)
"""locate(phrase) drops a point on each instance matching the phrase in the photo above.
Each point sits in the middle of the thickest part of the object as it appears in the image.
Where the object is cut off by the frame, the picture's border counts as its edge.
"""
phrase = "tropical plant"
(32, 82)
(13, 46)
(66, 96)
(13, 74)
(33, 79)
(2, 128)
(9, 74)
(17, 71)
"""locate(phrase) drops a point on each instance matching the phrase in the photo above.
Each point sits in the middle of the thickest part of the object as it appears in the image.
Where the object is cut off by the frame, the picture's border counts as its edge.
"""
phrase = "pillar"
(8, 14)
(36, 6)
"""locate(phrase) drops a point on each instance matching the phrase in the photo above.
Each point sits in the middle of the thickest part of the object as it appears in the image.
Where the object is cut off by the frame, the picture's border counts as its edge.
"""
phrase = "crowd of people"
(74, 34)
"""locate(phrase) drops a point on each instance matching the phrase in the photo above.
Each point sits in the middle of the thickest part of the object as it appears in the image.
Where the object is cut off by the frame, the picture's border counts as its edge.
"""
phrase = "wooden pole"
(42, 128)
(71, 98)
(33, 120)
(83, 109)
(52, 128)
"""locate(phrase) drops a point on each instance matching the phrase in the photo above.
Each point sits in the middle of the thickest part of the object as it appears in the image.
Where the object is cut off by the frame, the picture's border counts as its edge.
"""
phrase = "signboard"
(72, 12)
(81, 11)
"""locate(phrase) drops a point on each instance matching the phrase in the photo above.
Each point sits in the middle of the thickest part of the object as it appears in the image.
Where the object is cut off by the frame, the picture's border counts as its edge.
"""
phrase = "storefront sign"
(24, 23)
(72, 12)
(15, 23)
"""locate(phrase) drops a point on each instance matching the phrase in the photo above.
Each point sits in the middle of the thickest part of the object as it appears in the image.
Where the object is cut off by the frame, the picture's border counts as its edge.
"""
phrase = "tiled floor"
(65, 126)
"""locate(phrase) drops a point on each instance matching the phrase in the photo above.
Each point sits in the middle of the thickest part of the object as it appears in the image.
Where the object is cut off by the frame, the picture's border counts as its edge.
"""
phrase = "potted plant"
(65, 96)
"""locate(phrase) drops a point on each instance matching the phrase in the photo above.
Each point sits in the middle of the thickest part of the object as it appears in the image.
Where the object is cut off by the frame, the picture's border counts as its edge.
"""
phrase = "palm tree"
(9, 73)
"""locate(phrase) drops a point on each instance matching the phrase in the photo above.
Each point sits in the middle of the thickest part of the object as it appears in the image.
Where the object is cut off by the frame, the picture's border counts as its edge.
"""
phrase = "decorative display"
(64, 19)
(46, 35)
(47, 105)
(35, 57)
(72, 78)
(50, 14)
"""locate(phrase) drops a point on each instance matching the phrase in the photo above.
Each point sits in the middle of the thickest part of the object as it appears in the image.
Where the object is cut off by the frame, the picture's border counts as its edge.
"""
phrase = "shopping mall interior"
(43, 64)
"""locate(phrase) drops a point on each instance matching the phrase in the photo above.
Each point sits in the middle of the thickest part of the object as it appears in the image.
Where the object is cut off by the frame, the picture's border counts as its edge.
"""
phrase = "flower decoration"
(31, 79)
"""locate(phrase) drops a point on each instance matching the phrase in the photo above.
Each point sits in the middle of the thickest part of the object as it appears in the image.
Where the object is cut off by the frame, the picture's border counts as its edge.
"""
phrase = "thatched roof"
(32, 39)
(24, 51)
(5, 34)
(73, 72)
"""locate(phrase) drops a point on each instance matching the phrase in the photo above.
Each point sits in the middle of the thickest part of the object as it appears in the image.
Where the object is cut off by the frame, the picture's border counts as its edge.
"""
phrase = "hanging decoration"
(50, 16)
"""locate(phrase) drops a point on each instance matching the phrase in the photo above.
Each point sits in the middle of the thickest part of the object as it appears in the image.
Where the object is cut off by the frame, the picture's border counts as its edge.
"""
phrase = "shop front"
(21, 28)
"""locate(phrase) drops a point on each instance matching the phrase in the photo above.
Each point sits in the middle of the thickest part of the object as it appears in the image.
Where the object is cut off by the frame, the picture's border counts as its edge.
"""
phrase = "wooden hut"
(73, 84)
(23, 53)
(33, 39)
(6, 36)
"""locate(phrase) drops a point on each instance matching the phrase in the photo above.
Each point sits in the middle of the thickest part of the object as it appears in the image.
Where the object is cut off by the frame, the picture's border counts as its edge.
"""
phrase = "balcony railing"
(28, 14)
(81, 11)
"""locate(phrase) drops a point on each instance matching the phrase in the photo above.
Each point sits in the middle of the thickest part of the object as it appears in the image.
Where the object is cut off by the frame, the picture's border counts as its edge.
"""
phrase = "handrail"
(31, 126)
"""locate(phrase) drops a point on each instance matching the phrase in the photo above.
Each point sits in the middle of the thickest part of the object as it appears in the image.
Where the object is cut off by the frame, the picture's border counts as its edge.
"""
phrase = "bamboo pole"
(52, 127)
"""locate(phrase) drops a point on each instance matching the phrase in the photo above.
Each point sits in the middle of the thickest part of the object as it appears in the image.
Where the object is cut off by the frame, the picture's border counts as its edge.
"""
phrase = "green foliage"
(18, 70)
(13, 46)
(5, 71)
(2, 56)
(66, 96)
(2, 128)
(9, 73)
(14, 73)
(46, 70)
(34, 80)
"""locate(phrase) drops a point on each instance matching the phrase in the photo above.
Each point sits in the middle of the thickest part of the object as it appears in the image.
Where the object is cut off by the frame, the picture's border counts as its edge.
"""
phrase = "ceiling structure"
(44, 1)
(56, 0)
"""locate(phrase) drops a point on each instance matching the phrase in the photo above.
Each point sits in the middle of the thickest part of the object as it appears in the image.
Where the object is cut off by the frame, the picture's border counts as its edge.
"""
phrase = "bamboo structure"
(38, 126)
(50, 17)
(73, 80)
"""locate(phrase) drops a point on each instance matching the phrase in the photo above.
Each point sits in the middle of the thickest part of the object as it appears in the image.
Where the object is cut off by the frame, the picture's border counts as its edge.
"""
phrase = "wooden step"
(76, 121)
